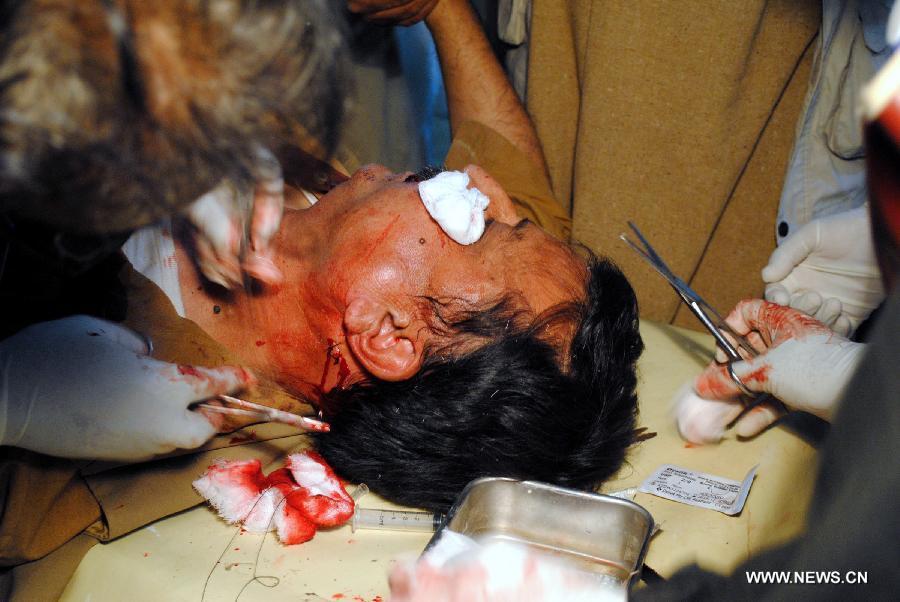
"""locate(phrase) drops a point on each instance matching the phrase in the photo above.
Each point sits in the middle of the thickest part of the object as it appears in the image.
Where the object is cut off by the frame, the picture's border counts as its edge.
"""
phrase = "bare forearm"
(477, 88)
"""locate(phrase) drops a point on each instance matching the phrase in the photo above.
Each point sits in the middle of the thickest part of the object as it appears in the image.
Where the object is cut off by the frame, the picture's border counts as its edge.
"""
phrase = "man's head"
(115, 113)
(512, 356)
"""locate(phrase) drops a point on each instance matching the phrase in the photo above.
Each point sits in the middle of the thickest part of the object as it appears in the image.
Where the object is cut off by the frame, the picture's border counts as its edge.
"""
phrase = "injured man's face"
(435, 362)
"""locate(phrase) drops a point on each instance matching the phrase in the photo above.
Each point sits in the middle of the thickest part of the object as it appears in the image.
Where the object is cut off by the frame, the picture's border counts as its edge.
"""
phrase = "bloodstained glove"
(828, 270)
(219, 217)
(801, 362)
(293, 500)
(82, 387)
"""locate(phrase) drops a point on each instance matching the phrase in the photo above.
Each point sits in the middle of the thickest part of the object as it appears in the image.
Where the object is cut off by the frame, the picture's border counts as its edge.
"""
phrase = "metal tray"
(592, 532)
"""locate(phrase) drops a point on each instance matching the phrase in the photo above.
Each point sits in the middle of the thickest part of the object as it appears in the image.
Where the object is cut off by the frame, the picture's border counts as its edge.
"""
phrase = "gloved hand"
(219, 216)
(82, 387)
(828, 270)
(801, 362)
(398, 12)
(459, 571)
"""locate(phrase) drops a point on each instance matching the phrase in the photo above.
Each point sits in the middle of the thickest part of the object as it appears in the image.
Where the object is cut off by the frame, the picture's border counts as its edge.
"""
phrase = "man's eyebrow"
(522, 224)
(518, 231)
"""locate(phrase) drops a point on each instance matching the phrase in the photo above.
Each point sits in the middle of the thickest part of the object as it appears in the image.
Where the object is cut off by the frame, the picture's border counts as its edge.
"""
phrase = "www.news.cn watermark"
(808, 577)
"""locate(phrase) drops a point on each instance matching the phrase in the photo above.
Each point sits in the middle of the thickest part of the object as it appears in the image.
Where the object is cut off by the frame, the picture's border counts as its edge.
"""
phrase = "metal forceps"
(240, 407)
(708, 316)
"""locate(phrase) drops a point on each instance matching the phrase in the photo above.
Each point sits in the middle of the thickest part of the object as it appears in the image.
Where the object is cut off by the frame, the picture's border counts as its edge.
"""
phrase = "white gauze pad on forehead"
(458, 210)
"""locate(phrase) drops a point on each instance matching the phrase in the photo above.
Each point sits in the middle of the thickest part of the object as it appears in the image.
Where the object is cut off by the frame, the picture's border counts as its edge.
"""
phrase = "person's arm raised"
(477, 88)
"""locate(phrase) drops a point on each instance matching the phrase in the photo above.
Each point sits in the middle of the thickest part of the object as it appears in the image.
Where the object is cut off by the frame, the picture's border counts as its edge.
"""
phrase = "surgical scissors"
(708, 316)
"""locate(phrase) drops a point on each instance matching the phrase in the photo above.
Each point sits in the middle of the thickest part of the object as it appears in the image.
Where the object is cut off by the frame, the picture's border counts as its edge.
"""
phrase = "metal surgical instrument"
(708, 316)
(240, 407)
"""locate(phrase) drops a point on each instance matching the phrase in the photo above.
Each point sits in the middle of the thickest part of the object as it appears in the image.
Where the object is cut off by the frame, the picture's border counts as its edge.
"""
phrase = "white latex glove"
(802, 363)
(82, 387)
(828, 270)
(497, 572)
(219, 217)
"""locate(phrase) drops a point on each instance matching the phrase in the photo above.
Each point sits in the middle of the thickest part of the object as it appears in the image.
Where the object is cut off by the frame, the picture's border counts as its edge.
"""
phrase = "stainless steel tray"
(592, 532)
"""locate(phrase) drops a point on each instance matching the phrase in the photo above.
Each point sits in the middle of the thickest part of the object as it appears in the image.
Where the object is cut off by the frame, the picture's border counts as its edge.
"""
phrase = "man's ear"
(388, 342)
(501, 207)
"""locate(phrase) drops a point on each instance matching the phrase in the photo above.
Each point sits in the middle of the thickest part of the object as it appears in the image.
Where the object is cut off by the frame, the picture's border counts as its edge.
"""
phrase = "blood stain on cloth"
(296, 498)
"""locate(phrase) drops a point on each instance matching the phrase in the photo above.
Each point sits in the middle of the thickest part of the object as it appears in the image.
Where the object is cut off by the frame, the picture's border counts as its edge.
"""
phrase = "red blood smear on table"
(260, 343)
(146, 554)
(337, 597)
(760, 375)
(690, 445)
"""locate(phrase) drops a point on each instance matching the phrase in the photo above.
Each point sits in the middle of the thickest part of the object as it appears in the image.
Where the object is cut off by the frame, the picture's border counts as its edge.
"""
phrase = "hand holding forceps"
(708, 316)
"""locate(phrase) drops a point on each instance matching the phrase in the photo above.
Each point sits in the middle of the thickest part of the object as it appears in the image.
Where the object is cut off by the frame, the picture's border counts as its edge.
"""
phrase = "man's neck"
(291, 335)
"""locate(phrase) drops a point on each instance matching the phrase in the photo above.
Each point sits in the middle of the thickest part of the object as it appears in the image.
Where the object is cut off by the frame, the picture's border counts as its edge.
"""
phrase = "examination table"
(196, 556)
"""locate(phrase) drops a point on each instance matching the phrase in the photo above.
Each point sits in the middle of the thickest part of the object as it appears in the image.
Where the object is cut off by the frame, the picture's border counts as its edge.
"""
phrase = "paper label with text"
(699, 489)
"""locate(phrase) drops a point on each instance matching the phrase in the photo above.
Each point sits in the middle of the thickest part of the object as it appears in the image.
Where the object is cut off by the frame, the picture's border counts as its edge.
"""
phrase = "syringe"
(396, 520)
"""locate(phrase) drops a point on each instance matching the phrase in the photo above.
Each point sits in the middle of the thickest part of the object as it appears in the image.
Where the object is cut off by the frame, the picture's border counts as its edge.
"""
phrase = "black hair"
(513, 407)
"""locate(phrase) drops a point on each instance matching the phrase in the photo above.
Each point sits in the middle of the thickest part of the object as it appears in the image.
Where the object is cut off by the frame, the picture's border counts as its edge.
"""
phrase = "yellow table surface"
(195, 556)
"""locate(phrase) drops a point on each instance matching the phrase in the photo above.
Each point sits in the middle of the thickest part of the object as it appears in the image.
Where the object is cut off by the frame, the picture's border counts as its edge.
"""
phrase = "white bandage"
(457, 209)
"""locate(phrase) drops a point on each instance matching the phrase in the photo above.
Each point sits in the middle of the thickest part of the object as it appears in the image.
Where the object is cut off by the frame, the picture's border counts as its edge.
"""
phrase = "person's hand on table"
(219, 218)
(801, 362)
(81, 387)
(394, 12)
(828, 270)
